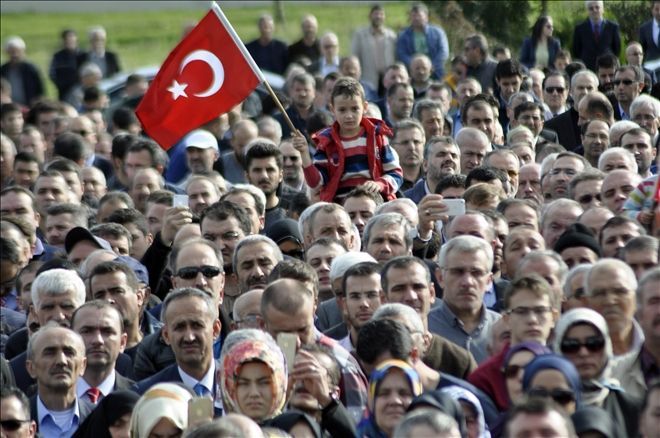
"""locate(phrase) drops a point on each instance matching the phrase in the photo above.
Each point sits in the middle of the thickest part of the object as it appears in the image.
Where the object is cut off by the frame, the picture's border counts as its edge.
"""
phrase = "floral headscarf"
(253, 350)
(368, 426)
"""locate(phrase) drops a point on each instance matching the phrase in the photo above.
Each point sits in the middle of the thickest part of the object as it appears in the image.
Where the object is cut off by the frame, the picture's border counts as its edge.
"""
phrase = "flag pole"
(255, 68)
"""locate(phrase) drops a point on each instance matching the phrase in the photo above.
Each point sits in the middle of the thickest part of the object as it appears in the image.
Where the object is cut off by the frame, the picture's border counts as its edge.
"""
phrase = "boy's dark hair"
(318, 120)
(508, 68)
(347, 87)
(263, 149)
(448, 181)
(381, 336)
(533, 283)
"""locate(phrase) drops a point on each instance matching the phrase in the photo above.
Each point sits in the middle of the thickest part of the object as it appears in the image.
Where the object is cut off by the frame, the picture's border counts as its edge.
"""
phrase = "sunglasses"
(588, 198)
(626, 82)
(12, 425)
(192, 271)
(592, 343)
(512, 371)
(561, 396)
(558, 90)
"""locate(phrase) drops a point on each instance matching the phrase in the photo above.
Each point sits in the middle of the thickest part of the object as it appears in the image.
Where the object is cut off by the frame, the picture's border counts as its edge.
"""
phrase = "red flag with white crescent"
(206, 75)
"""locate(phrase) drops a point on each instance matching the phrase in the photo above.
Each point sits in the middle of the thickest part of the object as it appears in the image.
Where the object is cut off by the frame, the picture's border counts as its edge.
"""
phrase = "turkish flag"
(206, 75)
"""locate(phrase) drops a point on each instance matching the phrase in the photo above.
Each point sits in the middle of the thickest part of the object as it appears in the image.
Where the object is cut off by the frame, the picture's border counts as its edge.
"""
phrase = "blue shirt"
(48, 427)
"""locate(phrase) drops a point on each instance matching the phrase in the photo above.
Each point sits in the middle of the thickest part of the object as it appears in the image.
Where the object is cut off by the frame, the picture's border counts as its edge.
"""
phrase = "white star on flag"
(177, 90)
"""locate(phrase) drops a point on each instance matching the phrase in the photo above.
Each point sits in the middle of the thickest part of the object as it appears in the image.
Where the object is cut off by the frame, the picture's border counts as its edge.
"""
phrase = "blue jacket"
(417, 192)
(528, 52)
(436, 41)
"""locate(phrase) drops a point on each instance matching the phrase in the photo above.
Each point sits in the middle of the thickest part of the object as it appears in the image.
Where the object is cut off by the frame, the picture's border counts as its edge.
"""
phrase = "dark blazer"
(566, 127)
(338, 332)
(449, 358)
(549, 136)
(169, 374)
(111, 62)
(33, 86)
(328, 315)
(588, 50)
(417, 192)
(122, 382)
(64, 71)
(104, 165)
(651, 49)
(85, 407)
(528, 52)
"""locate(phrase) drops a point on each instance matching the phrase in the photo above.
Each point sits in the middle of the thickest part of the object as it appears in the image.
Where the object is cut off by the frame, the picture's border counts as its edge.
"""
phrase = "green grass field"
(145, 38)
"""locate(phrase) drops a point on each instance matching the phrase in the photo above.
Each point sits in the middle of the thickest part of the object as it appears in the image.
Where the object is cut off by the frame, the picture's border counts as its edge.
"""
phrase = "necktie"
(93, 394)
(597, 32)
(201, 390)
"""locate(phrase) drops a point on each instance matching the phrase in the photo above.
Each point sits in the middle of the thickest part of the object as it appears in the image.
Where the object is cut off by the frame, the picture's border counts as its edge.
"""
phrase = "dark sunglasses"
(561, 396)
(572, 346)
(588, 198)
(512, 371)
(12, 425)
(551, 90)
(625, 82)
(192, 271)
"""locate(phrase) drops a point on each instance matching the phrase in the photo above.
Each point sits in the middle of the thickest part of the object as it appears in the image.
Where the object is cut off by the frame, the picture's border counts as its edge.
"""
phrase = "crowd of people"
(462, 247)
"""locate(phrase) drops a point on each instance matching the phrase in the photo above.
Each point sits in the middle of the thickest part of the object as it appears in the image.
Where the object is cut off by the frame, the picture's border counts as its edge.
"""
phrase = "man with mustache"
(56, 358)
(253, 260)
(442, 157)
(408, 142)
(102, 329)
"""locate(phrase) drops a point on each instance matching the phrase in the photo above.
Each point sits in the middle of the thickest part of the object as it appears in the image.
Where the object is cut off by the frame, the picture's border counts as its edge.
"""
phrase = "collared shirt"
(48, 420)
(656, 31)
(346, 343)
(326, 67)
(624, 115)
(443, 322)
(207, 381)
(650, 368)
(353, 382)
(106, 387)
(490, 299)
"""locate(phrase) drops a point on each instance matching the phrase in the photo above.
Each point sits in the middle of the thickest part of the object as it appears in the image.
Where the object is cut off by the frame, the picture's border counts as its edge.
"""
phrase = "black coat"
(585, 46)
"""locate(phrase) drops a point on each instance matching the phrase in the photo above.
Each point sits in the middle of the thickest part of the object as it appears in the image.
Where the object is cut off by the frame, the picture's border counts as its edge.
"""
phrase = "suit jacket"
(566, 127)
(169, 374)
(338, 332)
(122, 382)
(651, 49)
(104, 166)
(585, 46)
(449, 358)
(33, 86)
(85, 407)
(549, 136)
(111, 62)
(328, 315)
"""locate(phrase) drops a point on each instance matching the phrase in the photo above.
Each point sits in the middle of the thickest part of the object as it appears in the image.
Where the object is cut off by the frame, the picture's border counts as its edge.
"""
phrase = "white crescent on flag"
(216, 67)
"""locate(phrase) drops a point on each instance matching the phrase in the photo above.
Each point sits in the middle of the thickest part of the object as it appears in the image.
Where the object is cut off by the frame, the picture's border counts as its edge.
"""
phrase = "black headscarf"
(593, 419)
(442, 402)
(110, 409)
(288, 419)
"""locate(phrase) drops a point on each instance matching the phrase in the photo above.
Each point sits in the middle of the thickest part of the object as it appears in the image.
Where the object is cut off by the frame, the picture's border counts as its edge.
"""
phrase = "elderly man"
(556, 217)
(253, 260)
(387, 235)
(195, 368)
(617, 186)
(635, 371)
(641, 254)
(473, 145)
(331, 221)
(549, 265)
(434, 40)
(56, 359)
(617, 158)
(407, 280)
(441, 158)
(23, 76)
(645, 111)
(538, 416)
(465, 266)
(101, 327)
(529, 183)
(566, 124)
(308, 46)
(287, 306)
(507, 161)
(610, 288)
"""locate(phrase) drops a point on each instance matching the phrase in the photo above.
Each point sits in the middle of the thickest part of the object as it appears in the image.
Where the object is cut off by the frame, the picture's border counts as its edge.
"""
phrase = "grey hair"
(257, 194)
(186, 292)
(84, 266)
(423, 105)
(557, 204)
(49, 326)
(653, 275)
(575, 271)
(619, 128)
(617, 150)
(516, 130)
(640, 243)
(440, 423)
(520, 95)
(58, 282)
(547, 253)
(464, 244)
(96, 30)
(15, 41)
(645, 100)
(386, 219)
(305, 217)
(394, 310)
(384, 206)
(613, 264)
(90, 68)
(581, 73)
(252, 240)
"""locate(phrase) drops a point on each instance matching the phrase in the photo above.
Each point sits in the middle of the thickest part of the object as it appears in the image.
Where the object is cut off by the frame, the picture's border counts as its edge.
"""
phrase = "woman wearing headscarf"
(514, 364)
(253, 375)
(472, 410)
(161, 411)
(392, 387)
(582, 337)
(111, 418)
(553, 377)
(443, 402)
(593, 422)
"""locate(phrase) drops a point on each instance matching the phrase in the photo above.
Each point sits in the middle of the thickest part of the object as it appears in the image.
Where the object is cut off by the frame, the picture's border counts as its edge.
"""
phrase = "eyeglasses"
(539, 311)
(512, 371)
(191, 272)
(586, 199)
(561, 396)
(558, 90)
(593, 343)
(626, 82)
(12, 425)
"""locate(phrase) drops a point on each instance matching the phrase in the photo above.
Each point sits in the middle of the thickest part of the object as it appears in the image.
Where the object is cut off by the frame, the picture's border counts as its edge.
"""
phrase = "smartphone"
(180, 201)
(200, 411)
(455, 206)
(288, 343)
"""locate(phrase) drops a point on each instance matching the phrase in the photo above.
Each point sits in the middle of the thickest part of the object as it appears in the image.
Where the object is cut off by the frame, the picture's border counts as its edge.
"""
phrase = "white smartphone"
(180, 201)
(455, 206)
(288, 343)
